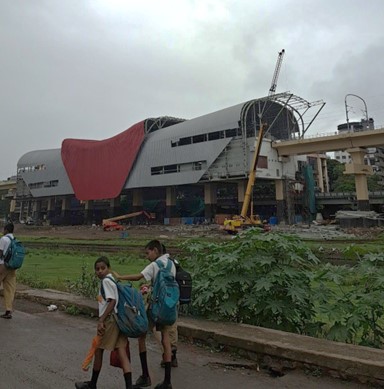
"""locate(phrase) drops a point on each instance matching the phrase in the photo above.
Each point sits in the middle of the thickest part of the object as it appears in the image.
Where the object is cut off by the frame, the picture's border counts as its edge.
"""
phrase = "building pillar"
(137, 200)
(325, 174)
(36, 210)
(280, 200)
(320, 176)
(66, 210)
(210, 201)
(12, 211)
(51, 207)
(115, 207)
(170, 202)
(88, 212)
(360, 171)
(241, 188)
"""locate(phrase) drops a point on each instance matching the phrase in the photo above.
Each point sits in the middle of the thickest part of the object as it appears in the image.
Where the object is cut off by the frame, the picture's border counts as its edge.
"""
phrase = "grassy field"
(56, 269)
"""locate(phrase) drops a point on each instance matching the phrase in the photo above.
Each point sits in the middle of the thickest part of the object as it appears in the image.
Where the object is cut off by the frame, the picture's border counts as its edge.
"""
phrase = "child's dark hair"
(155, 244)
(104, 260)
(9, 227)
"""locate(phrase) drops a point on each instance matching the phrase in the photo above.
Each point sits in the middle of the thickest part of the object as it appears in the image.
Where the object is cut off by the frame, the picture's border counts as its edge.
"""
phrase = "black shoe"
(142, 382)
(84, 385)
(163, 386)
(7, 315)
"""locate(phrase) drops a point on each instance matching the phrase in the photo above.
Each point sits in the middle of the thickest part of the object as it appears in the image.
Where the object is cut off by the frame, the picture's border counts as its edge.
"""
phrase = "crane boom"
(272, 89)
(243, 219)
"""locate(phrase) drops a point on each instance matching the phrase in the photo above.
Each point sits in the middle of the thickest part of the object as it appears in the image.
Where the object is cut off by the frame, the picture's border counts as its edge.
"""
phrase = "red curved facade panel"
(98, 169)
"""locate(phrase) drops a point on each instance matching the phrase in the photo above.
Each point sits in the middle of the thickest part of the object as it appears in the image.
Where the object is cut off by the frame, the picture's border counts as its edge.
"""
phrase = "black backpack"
(184, 279)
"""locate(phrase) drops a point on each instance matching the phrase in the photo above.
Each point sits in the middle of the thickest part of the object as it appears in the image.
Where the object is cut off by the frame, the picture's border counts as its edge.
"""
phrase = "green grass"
(108, 242)
(53, 268)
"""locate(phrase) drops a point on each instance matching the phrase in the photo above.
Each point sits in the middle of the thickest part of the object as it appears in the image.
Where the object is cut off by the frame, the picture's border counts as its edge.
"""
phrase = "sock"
(167, 374)
(128, 380)
(95, 376)
(144, 364)
(174, 354)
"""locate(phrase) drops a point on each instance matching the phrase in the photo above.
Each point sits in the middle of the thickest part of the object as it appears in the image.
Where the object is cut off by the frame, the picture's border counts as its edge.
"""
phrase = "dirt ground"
(140, 231)
(313, 232)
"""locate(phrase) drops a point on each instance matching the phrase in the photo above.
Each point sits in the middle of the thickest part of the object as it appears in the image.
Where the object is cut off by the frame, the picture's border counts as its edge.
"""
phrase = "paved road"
(41, 349)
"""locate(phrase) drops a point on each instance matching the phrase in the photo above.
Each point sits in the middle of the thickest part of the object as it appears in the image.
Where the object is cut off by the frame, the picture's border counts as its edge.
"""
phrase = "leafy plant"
(72, 310)
(355, 308)
(86, 285)
(256, 278)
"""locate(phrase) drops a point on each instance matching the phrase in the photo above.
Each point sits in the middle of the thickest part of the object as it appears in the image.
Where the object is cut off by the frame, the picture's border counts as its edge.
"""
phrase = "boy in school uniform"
(107, 328)
(153, 251)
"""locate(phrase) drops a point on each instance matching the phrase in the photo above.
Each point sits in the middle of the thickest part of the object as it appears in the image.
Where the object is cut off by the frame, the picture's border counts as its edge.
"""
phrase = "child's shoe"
(142, 382)
(7, 315)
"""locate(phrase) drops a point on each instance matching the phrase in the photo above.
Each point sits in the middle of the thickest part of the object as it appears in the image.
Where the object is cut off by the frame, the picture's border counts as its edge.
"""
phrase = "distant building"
(166, 164)
(374, 156)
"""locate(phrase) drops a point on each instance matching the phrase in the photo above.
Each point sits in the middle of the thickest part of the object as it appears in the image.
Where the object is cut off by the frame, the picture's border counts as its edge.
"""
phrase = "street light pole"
(346, 108)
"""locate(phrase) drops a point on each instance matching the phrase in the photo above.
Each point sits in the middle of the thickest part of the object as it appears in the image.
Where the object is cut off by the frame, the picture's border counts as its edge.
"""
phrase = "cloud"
(91, 69)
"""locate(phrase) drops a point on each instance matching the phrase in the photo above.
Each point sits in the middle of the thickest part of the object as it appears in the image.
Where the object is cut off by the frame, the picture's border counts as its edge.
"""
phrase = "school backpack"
(184, 279)
(165, 295)
(14, 255)
(131, 316)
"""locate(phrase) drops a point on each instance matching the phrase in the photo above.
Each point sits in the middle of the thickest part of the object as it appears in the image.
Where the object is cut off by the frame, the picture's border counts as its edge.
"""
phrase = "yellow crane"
(238, 222)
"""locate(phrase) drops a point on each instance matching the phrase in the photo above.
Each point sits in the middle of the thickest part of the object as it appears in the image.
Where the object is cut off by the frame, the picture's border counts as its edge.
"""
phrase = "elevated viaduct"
(355, 143)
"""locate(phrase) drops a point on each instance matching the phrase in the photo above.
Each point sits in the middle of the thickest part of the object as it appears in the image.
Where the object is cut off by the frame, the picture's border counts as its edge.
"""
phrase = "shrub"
(86, 285)
(256, 278)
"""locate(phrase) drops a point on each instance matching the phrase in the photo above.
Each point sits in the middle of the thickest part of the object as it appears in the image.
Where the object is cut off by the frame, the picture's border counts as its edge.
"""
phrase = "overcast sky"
(91, 69)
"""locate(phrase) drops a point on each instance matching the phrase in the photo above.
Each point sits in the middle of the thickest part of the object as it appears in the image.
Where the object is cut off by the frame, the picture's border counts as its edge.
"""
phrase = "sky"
(91, 69)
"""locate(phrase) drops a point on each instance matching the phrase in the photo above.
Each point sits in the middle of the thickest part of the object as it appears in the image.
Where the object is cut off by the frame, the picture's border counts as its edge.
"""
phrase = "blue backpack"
(131, 315)
(14, 255)
(165, 296)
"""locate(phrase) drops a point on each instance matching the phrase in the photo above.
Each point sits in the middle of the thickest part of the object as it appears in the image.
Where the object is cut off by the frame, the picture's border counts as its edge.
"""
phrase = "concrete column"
(114, 207)
(280, 200)
(66, 210)
(210, 200)
(36, 210)
(360, 171)
(137, 200)
(12, 210)
(320, 176)
(88, 212)
(170, 202)
(325, 174)
(241, 188)
(51, 208)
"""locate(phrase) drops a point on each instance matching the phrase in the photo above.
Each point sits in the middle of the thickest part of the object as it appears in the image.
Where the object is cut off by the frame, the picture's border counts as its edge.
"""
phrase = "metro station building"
(178, 169)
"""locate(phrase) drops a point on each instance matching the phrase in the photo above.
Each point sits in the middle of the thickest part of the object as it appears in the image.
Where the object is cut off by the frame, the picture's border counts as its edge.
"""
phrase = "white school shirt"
(110, 291)
(151, 271)
(4, 244)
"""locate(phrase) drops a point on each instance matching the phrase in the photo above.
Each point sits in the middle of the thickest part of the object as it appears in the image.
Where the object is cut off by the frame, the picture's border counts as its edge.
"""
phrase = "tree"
(340, 182)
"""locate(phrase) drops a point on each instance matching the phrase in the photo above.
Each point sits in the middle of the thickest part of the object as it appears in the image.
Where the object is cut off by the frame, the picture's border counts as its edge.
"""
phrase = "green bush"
(255, 278)
(354, 306)
(86, 285)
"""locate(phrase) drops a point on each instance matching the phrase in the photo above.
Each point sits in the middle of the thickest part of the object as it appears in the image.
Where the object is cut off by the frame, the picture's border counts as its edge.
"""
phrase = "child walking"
(107, 329)
(153, 251)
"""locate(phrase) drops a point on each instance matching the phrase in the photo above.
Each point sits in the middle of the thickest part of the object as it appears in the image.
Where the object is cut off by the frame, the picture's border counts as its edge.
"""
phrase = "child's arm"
(101, 323)
(128, 277)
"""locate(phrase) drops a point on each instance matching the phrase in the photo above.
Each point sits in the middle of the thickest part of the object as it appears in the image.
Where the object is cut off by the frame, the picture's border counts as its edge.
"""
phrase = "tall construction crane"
(243, 220)
(280, 57)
